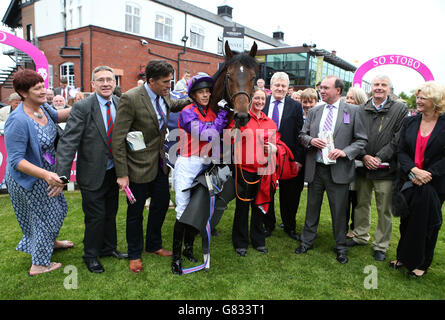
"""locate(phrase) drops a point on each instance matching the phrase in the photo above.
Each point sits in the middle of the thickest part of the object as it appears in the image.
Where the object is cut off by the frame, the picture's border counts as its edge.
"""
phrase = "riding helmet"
(200, 81)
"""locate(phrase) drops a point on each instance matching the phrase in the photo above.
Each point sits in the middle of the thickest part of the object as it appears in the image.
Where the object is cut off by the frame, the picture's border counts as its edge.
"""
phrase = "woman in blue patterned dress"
(35, 190)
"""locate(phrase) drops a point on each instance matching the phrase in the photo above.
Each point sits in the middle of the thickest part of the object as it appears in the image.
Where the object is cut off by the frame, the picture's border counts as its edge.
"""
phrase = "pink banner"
(39, 58)
(4, 156)
(391, 60)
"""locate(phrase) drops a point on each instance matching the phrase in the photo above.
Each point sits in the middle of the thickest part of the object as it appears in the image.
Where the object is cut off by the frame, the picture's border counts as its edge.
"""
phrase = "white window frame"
(65, 72)
(220, 44)
(79, 13)
(132, 18)
(163, 29)
(50, 76)
(197, 36)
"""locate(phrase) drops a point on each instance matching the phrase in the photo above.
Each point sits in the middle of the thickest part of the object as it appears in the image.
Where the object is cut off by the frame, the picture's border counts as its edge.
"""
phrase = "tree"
(410, 100)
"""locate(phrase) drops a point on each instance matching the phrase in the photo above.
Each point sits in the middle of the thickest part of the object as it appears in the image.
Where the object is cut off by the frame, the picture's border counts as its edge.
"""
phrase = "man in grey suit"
(349, 134)
(88, 131)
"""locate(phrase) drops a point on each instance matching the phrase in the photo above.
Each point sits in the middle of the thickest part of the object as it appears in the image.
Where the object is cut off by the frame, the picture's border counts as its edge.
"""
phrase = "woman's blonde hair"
(309, 94)
(434, 92)
(360, 96)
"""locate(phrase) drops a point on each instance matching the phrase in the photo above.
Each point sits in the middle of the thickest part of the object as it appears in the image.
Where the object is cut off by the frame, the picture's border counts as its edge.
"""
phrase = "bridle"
(228, 97)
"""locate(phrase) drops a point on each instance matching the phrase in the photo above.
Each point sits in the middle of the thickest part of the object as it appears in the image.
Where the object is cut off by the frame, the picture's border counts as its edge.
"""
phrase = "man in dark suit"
(145, 109)
(64, 90)
(344, 123)
(88, 131)
(288, 115)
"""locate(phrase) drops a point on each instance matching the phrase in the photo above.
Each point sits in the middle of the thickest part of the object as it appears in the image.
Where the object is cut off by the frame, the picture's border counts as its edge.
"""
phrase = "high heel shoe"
(412, 274)
(395, 264)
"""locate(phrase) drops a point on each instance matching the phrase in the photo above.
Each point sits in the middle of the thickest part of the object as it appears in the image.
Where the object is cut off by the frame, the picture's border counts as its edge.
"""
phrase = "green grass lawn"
(281, 274)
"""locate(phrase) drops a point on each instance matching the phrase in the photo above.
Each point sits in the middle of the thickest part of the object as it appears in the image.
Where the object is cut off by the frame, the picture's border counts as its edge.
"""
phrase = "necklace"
(38, 115)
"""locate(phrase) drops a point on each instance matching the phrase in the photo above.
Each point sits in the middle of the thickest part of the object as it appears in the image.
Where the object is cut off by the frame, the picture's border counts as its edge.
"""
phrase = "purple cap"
(199, 82)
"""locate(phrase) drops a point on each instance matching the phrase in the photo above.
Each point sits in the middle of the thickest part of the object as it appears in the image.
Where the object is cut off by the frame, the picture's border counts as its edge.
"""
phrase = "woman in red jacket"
(252, 154)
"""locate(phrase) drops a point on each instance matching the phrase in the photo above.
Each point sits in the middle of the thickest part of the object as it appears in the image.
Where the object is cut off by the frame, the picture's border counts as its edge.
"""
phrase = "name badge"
(346, 118)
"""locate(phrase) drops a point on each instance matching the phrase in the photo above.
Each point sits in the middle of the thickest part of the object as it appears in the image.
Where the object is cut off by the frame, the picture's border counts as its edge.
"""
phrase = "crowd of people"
(343, 143)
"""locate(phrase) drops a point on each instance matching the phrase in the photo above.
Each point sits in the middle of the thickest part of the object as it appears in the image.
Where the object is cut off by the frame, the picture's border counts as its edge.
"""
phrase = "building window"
(67, 71)
(197, 37)
(163, 27)
(132, 18)
(220, 45)
(29, 35)
(50, 77)
(79, 14)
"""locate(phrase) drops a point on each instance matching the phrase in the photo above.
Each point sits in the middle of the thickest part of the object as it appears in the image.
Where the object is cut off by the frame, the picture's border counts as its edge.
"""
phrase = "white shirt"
(103, 109)
(280, 109)
(325, 114)
(153, 96)
(323, 120)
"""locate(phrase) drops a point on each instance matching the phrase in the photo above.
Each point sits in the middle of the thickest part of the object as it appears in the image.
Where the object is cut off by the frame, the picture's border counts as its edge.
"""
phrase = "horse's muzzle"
(241, 119)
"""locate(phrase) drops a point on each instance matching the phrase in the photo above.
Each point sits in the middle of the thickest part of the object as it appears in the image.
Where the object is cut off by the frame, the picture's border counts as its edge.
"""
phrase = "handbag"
(59, 129)
(400, 207)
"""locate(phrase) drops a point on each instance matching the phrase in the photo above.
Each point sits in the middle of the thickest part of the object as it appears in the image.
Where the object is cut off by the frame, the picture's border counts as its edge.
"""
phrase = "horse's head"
(235, 81)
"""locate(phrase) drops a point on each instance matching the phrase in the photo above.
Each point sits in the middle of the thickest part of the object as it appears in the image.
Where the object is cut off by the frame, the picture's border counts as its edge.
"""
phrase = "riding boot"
(207, 261)
(189, 238)
(178, 234)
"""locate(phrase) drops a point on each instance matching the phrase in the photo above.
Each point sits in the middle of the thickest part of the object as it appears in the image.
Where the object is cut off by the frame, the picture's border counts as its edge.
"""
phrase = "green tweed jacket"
(135, 112)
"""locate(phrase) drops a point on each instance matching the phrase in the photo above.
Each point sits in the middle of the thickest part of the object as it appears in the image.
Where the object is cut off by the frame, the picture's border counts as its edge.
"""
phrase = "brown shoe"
(162, 252)
(136, 265)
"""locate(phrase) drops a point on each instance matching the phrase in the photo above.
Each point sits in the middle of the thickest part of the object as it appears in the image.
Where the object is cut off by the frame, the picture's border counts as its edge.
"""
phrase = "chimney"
(334, 53)
(278, 35)
(225, 12)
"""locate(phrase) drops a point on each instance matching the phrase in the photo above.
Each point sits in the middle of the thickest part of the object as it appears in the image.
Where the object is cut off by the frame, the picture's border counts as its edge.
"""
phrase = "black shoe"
(342, 258)
(302, 249)
(379, 255)
(188, 253)
(241, 252)
(293, 235)
(267, 233)
(116, 254)
(352, 243)
(395, 265)
(413, 275)
(281, 225)
(177, 267)
(94, 265)
(262, 249)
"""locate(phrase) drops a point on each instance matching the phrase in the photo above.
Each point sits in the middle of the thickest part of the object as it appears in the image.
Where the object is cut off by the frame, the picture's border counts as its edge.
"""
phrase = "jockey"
(199, 125)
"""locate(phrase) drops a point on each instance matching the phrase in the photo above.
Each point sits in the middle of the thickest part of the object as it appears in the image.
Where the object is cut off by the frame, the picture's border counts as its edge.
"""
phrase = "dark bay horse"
(234, 83)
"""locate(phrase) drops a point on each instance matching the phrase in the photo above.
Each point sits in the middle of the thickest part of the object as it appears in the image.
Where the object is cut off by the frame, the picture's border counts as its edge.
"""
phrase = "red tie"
(110, 126)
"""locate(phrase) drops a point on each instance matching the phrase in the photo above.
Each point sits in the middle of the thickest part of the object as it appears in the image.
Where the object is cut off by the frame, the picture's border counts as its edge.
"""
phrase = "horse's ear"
(229, 53)
(253, 50)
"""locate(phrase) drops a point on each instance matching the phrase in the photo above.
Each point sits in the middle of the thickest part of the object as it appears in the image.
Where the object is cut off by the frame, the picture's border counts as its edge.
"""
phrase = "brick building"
(75, 39)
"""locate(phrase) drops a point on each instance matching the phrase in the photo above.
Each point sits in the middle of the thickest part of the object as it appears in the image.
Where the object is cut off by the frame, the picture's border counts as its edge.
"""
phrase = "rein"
(239, 143)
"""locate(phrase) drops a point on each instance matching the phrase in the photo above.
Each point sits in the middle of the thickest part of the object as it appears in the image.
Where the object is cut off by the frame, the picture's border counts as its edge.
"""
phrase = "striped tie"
(276, 113)
(161, 113)
(328, 122)
(110, 126)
